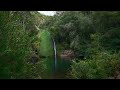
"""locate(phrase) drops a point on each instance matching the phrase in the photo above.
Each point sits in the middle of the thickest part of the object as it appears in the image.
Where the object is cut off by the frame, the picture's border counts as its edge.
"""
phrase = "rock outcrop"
(67, 54)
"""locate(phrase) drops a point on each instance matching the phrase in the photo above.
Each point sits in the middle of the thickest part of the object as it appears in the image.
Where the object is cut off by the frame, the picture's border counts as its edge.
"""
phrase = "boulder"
(34, 58)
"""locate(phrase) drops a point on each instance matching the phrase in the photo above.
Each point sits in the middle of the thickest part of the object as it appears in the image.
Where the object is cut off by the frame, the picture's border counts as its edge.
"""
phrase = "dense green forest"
(70, 45)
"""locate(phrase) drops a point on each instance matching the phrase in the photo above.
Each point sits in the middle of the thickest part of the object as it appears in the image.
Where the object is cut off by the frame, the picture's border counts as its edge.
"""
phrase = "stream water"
(59, 71)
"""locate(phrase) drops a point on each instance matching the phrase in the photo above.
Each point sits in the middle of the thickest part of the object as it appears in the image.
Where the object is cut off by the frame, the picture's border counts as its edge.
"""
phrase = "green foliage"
(33, 71)
(73, 29)
(14, 47)
(107, 23)
(17, 32)
(100, 65)
(111, 39)
(95, 34)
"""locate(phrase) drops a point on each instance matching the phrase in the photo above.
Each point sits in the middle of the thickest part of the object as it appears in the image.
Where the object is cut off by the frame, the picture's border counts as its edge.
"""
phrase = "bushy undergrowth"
(100, 64)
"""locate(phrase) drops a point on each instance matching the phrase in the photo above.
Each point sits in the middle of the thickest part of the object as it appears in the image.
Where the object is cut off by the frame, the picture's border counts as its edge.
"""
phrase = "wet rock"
(34, 58)
(117, 75)
(67, 54)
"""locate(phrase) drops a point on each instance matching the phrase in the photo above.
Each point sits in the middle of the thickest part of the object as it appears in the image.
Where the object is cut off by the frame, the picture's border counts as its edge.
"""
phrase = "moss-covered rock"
(46, 44)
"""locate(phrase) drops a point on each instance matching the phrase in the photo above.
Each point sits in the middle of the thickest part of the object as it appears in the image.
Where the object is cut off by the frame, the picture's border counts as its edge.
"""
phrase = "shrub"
(101, 66)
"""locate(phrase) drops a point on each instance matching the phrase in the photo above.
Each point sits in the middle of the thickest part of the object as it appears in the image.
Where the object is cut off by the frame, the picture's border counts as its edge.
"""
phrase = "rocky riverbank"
(67, 54)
